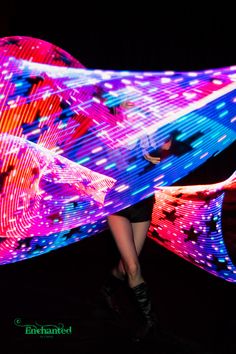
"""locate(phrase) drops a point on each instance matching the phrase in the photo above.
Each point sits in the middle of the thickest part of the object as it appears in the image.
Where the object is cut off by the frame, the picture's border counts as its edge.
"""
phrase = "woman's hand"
(167, 145)
(152, 159)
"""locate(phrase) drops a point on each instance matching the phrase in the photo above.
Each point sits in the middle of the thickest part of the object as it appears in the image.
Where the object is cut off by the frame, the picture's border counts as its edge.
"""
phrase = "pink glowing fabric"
(188, 221)
(72, 142)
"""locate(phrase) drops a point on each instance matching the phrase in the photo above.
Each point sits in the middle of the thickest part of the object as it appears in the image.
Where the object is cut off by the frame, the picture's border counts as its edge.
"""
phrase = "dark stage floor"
(196, 310)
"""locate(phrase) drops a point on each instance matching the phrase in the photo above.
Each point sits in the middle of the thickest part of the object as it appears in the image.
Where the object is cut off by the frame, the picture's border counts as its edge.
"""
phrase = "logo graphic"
(43, 330)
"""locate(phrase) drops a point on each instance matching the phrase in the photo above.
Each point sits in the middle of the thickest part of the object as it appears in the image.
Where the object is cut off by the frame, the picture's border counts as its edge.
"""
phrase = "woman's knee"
(133, 269)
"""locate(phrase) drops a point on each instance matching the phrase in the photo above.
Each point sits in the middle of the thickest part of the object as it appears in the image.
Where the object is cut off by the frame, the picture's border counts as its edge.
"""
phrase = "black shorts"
(141, 211)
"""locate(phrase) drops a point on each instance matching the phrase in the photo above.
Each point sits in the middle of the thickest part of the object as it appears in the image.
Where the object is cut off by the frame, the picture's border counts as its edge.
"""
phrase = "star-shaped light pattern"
(72, 142)
(198, 235)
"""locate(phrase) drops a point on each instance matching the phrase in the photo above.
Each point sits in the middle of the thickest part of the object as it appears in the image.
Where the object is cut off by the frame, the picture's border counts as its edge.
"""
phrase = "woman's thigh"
(122, 231)
(140, 230)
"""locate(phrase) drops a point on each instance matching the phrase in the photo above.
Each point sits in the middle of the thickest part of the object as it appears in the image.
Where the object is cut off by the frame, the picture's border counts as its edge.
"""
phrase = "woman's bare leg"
(130, 239)
(140, 230)
(119, 270)
(122, 232)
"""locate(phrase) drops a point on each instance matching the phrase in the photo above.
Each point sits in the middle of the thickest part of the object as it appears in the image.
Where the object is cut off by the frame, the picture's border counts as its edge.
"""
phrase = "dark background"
(196, 308)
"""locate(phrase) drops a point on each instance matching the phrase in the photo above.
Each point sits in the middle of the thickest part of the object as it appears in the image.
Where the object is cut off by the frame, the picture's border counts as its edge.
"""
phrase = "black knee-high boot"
(144, 305)
(108, 290)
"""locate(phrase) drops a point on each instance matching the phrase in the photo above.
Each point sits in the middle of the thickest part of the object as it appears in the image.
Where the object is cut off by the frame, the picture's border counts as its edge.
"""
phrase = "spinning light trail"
(72, 142)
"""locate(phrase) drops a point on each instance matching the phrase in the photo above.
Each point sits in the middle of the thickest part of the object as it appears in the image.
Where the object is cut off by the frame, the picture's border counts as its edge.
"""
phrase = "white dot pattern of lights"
(72, 143)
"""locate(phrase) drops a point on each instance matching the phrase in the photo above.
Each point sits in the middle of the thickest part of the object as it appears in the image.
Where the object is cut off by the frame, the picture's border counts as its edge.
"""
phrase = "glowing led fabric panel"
(72, 141)
(43, 188)
(188, 221)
